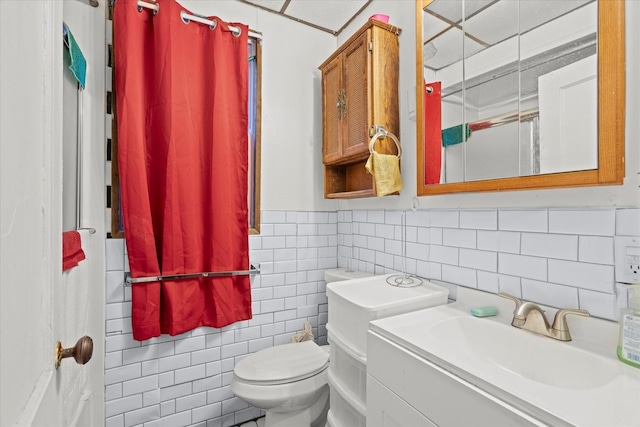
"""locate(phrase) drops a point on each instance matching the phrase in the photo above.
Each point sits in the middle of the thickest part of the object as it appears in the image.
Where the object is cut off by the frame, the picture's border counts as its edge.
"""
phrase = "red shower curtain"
(181, 94)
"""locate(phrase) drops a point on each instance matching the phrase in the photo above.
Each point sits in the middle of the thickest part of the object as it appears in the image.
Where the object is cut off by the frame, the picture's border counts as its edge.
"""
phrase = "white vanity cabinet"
(404, 389)
(444, 367)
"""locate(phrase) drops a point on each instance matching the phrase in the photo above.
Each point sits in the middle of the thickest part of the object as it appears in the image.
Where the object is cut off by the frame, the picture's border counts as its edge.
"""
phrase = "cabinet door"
(332, 111)
(357, 81)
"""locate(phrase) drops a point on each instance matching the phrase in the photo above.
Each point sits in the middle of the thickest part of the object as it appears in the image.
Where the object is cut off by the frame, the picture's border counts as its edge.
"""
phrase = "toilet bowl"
(289, 381)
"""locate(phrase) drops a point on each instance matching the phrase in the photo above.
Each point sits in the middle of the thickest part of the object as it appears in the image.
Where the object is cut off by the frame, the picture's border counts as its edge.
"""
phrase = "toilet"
(289, 381)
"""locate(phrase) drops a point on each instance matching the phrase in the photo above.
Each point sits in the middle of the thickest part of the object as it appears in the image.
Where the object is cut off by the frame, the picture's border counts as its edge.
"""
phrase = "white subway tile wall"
(557, 257)
(185, 380)
(628, 222)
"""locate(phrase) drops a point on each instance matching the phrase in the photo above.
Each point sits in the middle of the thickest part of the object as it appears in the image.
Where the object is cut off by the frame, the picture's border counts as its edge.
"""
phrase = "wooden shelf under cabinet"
(359, 92)
(348, 181)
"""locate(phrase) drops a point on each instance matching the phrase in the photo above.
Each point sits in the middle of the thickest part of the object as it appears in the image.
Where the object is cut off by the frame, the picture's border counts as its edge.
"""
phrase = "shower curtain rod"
(130, 280)
(504, 119)
(186, 17)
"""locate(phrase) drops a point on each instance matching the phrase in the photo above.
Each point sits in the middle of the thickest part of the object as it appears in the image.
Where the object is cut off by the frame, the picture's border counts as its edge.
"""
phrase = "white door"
(38, 305)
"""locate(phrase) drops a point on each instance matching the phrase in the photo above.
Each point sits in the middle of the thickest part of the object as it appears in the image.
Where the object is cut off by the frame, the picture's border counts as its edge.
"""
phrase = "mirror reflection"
(511, 88)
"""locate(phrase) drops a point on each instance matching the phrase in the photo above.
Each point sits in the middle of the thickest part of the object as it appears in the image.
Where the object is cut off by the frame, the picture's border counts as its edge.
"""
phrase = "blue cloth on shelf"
(78, 64)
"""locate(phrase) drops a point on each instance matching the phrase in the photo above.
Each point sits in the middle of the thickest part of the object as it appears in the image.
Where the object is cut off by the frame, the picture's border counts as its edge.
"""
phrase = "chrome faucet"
(529, 316)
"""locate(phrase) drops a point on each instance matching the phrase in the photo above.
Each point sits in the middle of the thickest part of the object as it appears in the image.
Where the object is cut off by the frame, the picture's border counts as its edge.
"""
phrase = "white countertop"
(599, 390)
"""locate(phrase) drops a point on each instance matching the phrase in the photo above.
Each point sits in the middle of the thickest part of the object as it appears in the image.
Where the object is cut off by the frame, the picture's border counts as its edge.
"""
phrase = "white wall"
(88, 26)
(562, 257)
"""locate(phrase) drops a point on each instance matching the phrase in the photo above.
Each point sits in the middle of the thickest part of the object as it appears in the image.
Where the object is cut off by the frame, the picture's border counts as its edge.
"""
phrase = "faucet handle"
(560, 321)
(522, 310)
(517, 300)
(560, 326)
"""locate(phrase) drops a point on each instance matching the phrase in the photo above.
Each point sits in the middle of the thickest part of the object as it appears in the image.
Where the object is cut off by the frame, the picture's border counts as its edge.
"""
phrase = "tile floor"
(256, 423)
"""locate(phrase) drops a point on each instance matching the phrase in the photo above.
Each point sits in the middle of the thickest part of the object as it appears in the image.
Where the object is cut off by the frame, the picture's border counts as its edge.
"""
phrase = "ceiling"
(331, 16)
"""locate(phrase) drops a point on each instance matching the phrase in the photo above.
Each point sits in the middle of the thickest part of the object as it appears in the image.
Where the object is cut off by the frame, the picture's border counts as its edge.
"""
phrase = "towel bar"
(128, 280)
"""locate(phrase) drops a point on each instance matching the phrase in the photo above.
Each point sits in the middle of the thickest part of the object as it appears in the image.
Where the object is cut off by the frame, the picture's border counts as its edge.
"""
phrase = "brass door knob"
(81, 352)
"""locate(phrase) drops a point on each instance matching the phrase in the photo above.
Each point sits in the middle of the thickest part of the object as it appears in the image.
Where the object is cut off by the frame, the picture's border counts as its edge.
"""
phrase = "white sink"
(576, 383)
(523, 354)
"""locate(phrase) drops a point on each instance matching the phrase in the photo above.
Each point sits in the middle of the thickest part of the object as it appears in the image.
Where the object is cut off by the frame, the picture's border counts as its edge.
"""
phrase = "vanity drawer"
(386, 409)
(442, 397)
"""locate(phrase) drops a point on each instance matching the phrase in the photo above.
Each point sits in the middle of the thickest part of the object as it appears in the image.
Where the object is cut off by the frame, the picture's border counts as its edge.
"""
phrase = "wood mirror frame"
(611, 116)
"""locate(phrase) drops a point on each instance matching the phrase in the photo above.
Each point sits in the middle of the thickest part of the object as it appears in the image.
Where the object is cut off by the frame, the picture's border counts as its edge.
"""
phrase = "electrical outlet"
(627, 259)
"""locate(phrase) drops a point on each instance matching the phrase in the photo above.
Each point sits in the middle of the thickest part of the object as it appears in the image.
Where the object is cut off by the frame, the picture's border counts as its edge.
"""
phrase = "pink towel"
(72, 252)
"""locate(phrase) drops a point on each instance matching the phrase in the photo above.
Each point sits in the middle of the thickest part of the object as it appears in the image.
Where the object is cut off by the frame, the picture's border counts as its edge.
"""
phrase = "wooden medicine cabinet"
(359, 92)
(499, 67)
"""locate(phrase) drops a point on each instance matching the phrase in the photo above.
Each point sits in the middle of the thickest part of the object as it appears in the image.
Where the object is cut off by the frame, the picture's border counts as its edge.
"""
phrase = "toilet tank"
(339, 274)
(354, 303)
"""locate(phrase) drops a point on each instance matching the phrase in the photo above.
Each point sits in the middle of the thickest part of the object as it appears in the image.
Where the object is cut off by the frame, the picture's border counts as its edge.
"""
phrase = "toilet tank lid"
(283, 363)
(338, 274)
(375, 295)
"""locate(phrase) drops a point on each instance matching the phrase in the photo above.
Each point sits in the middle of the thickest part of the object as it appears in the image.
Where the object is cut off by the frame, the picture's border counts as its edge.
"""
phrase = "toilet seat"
(282, 364)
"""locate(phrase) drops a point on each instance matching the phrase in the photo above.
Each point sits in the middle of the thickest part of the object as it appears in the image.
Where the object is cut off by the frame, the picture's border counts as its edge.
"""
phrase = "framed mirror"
(519, 94)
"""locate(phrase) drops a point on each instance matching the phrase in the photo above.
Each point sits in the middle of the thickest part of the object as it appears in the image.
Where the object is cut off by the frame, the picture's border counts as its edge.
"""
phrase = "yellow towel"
(385, 169)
